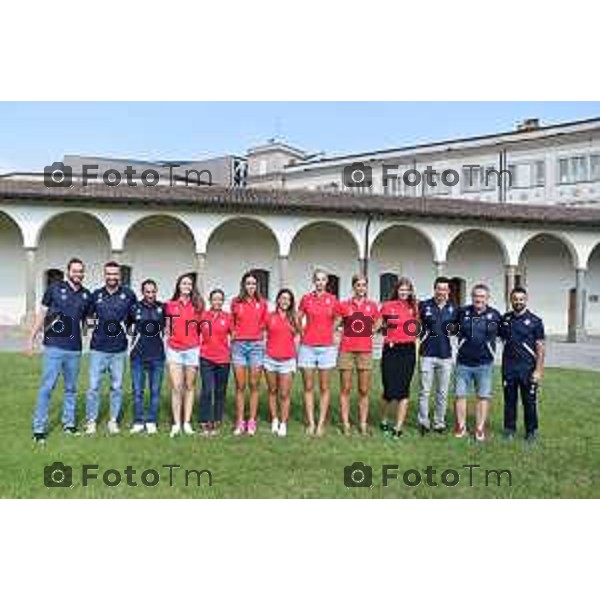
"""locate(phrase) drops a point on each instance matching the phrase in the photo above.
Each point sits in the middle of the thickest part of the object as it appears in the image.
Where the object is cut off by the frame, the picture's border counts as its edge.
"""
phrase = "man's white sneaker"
(113, 427)
(175, 430)
(151, 428)
(90, 428)
(137, 428)
(275, 426)
(282, 431)
(187, 429)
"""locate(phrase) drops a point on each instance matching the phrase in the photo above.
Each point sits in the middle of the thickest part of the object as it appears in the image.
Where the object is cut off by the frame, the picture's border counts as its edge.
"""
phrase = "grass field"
(564, 463)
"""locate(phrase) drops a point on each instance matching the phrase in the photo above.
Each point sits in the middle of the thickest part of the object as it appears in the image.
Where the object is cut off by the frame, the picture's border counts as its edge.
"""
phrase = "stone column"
(201, 272)
(30, 295)
(362, 266)
(283, 272)
(116, 255)
(510, 276)
(439, 267)
(580, 304)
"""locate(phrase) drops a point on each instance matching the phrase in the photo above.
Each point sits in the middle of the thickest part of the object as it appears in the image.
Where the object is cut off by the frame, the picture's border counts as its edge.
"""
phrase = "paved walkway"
(585, 355)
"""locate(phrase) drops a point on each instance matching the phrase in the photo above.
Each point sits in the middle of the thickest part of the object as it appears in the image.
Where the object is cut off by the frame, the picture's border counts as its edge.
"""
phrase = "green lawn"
(565, 463)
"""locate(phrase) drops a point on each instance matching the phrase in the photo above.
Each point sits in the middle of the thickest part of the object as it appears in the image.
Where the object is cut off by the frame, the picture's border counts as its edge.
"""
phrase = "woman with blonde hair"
(400, 326)
(317, 311)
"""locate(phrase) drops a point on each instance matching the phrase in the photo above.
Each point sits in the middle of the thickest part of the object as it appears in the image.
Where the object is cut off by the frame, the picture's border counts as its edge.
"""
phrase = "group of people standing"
(191, 336)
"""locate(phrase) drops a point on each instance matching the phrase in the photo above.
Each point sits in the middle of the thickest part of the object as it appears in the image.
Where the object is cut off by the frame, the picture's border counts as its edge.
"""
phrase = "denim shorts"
(185, 358)
(480, 377)
(248, 353)
(283, 367)
(317, 357)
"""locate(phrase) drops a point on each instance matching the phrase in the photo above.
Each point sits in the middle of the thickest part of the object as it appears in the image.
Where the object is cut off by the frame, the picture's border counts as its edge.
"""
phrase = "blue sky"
(35, 134)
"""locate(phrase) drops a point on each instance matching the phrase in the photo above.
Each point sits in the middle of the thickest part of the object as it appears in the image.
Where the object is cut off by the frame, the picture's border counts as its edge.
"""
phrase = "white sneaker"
(90, 428)
(187, 429)
(151, 428)
(282, 431)
(113, 427)
(275, 426)
(175, 430)
(137, 428)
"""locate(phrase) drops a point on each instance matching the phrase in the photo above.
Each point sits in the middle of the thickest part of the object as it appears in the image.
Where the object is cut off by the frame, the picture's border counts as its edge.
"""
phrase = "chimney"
(528, 125)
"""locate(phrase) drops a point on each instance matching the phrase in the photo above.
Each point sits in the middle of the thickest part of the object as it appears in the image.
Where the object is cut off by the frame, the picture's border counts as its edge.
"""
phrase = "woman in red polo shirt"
(400, 324)
(318, 311)
(282, 328)
(249, 312)
(214, 363)
(183, 313)
(360, 320)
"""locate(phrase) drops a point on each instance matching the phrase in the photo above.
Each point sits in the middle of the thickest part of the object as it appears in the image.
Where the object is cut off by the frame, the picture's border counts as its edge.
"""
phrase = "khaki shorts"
(363, 361)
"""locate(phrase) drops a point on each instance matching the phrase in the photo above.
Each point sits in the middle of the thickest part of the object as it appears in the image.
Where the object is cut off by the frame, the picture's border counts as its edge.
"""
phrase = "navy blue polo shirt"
(436, 322)
(520, 333)
(477, 335)
(112, 312)
(67, 308)
(148, 329)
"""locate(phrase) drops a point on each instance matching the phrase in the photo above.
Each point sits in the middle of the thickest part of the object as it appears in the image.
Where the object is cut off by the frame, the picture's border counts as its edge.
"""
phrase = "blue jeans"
(154, 369)
(214, 387)
(114, 365)
(55, 362)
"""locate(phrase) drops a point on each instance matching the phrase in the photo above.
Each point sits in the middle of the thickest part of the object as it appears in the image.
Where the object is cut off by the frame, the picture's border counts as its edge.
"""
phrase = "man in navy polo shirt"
(147, 356)
(64, 306)
(522, 364)
(111, 305)
(438, 317)
(479, 326)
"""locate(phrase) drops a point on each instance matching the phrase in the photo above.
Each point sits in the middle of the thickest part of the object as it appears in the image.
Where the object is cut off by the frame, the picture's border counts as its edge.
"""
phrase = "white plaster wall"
(326, 246)
(12, 273)
(238, 246)
(477, 258)
(72, 235)
(159, 248)
(405, 252)
(593, 289)
(549, 275)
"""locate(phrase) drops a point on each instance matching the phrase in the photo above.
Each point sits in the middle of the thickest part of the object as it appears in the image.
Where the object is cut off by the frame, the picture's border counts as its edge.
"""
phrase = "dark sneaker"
(71, 431)
(424, 430)
(439, 429)
(508, 435)
(397, 433)
(39, 439)
(385, 426)
(531, 438)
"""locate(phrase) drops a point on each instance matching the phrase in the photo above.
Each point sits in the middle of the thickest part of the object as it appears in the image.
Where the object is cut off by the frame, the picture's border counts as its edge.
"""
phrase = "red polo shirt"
(321, 311)
(216, 329)
(364, 322)
(398, 313)
(281, 337)
(248, 318)
(183, 324)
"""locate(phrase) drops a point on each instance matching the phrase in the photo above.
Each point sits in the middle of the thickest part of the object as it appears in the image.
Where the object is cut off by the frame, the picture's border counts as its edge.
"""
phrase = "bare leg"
(345, 390)
(285, 389)
(176, 377)
(364, 388)
(324, 398)
(272, 385)
(240, 388)
(254, 391)
(308, 376)
(189, 392)
(460, 412)
(401, 412)
(483, 407)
